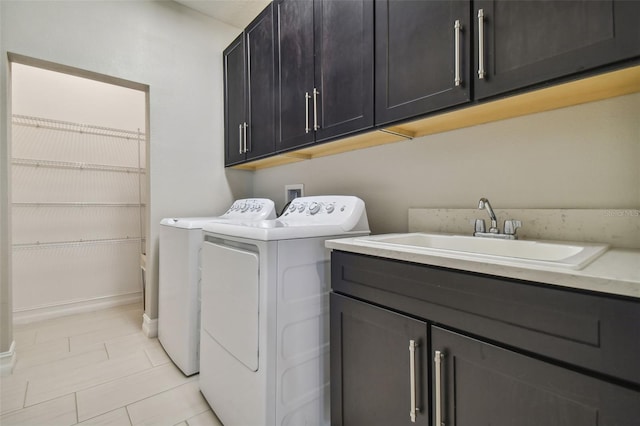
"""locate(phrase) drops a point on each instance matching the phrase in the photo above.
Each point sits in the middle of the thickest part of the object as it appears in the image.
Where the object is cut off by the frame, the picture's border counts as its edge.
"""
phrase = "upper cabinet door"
(521, 43)
(294, 73)
(422, 57)
(343, 67)
(260, 46)
(234, 101)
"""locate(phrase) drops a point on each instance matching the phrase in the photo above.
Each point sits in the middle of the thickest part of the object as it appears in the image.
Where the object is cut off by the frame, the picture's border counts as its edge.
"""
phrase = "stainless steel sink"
(543, 253)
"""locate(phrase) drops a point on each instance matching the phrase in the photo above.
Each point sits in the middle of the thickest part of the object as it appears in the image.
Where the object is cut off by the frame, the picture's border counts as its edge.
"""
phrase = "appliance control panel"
(323, 210)
(251, 209)
(305, 217)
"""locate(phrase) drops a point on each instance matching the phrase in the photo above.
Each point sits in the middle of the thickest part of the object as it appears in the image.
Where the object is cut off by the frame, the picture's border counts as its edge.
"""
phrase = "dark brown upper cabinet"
(249, 92)
(324, 70)
(523, 43)
(422, 57)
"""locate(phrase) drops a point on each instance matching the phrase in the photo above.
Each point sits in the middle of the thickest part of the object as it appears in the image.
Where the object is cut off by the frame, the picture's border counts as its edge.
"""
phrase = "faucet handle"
(511, 226)
(480, 226)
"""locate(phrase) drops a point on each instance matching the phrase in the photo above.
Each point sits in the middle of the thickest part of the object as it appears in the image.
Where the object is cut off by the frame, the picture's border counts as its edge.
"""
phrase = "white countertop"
(617, 271)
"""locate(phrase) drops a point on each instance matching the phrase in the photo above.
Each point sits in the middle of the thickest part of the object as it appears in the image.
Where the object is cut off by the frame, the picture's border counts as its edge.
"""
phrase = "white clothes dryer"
(179, 279)
(264, 346)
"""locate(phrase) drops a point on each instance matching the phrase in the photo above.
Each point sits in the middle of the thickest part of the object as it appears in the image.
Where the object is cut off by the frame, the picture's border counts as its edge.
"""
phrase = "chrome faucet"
(484, 204)
(510, 226)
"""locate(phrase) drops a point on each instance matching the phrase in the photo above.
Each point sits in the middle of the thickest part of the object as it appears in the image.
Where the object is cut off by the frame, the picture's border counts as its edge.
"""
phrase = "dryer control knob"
(244, 207)
(314, 208)
(330, 208)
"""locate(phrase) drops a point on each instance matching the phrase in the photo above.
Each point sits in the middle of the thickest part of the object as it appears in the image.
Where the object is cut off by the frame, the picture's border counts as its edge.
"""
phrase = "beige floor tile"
(208, 418)
(127, 344)
(58, 412)
(127, 390)
(55, 322)
(86, 322)
(91, 324)
(64, 366)
(53, 385)
(124, 345)
(91, 338)
(24, 338)
(12, 393)
(37, 354)
(118, 417)
(100, 365)
(169, 408)
(157, 355)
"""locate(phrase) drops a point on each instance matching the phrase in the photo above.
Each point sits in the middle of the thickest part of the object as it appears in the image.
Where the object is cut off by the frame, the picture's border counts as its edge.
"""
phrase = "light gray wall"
(585, 156)
(6, 313)
(174, 50)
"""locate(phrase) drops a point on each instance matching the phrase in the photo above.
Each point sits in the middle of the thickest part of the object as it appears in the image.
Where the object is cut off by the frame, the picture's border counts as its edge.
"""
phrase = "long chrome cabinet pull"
(457, 28)
(412, 379)
(244, 125)
(481, 71)
(315, 109)
(306, 112)
(240, 137)
(437, 359)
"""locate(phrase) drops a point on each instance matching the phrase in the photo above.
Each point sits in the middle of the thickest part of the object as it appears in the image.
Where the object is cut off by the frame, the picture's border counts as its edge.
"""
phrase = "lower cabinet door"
(475, 384)
(379, 366)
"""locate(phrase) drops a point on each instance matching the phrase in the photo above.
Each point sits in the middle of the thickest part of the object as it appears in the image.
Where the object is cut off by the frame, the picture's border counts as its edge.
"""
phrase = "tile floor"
(97, 368)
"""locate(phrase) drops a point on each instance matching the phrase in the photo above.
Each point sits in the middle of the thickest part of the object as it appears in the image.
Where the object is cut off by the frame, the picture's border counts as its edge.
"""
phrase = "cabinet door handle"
(245, 137)
(240, 138)
(457, 27)
(306, 112)
(315, 109)
(437, 359)
(481, 71)
(412, 380)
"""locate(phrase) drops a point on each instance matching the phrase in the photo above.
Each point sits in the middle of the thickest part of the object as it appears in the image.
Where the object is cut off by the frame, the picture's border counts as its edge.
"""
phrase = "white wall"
(7, 358)
(585, 156)
(53, 95)
(176, 52)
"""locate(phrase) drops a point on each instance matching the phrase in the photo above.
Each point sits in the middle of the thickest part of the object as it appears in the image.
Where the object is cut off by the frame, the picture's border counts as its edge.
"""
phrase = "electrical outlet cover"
(293, 191)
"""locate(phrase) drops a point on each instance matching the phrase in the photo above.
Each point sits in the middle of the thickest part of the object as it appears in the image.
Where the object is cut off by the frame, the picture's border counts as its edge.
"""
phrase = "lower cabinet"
(413, 344)
(476, 383)
(376, 357)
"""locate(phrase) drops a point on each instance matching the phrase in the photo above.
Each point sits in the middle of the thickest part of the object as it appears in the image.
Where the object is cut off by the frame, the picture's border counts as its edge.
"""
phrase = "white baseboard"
(8, 360)
(149, 326)
(30, 315)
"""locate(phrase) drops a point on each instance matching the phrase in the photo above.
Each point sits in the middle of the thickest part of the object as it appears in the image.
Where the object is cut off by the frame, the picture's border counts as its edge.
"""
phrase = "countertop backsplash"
(619, 228)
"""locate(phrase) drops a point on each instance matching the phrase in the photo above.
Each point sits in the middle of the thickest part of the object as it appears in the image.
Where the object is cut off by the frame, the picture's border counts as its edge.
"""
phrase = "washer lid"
(187, 222)
(248, 209)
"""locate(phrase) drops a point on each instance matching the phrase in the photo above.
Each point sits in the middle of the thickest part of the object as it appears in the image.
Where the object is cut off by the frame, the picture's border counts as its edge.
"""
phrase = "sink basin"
(543, 253)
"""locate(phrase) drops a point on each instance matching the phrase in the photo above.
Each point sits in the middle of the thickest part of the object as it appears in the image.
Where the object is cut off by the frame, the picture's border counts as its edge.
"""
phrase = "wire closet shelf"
(61, 130)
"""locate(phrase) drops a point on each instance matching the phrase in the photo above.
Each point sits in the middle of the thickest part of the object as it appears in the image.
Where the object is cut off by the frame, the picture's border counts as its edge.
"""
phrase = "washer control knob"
(301, 208)
(292, 207)
(314, 208)
(259, 207)
(244, 207)
(330, 208)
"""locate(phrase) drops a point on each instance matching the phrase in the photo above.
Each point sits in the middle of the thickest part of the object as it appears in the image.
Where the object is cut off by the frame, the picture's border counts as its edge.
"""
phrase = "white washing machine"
(264, 345)
(179, 279)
